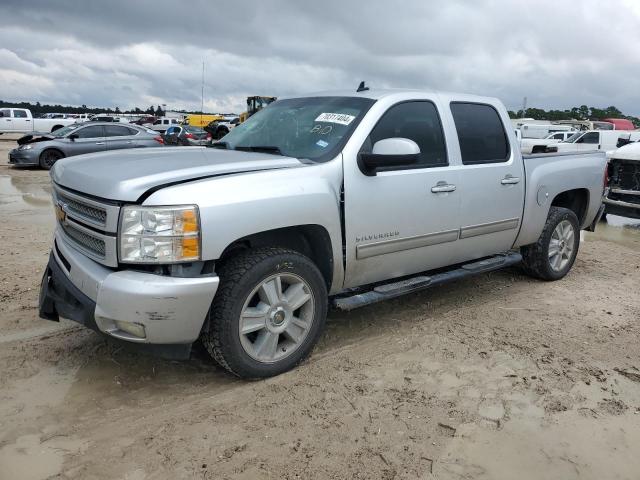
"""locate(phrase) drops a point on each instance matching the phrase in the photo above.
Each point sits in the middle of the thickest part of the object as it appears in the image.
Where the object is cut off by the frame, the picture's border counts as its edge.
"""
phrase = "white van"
(537, 130)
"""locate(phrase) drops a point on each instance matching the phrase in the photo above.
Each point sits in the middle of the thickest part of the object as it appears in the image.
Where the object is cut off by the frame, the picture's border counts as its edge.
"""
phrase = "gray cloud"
(125, 53)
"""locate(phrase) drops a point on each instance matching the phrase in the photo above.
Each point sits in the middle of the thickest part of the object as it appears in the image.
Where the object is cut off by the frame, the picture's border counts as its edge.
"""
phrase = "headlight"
(25, 147)
(159, 234)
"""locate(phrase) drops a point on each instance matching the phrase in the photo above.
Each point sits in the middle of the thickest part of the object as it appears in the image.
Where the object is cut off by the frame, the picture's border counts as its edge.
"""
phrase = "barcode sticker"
(341, 118)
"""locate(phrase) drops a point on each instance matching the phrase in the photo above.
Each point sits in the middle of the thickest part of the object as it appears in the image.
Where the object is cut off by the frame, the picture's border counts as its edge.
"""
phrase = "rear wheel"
(552, 256)
(49, 157)
(268, 313)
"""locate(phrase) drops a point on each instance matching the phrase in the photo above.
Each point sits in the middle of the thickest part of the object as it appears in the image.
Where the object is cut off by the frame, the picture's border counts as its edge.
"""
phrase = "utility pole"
(202, 95)
(524, 106)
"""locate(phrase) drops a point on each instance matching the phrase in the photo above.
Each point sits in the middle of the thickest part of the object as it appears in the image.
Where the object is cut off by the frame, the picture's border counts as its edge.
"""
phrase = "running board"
(420, 282)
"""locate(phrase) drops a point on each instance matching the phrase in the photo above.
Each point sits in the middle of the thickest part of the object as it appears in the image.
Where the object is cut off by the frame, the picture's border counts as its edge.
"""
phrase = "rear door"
(119, 137)
(491, 180)
(89, 139)
(402, 220)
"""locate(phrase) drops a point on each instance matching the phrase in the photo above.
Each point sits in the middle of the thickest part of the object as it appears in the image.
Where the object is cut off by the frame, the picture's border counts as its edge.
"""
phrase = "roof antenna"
(362, 87)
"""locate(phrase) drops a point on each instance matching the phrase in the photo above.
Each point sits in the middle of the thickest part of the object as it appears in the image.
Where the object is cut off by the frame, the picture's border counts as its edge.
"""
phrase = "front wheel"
(49, 157)
(268, 312)
(552, 256)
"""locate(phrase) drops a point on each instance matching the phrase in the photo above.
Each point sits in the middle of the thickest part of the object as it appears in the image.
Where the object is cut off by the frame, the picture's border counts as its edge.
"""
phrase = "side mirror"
(390, 152)
(73, 137)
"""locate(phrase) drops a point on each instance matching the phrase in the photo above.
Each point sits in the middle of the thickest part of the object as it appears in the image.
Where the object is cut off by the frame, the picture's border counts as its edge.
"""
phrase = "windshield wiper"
(261, 148)
(224, 145)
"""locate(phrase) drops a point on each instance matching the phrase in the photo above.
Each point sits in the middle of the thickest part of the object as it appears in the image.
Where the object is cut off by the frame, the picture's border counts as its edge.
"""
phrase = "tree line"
(582, 112)
(38, 109)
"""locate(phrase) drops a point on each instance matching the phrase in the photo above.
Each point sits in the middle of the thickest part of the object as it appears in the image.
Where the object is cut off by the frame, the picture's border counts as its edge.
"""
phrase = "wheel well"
(312, 241)
(51, 149)
(576, 200)
(56, 127)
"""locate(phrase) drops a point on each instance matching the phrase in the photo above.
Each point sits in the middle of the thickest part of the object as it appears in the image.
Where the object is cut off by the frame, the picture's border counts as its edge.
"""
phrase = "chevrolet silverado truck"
(339, 199)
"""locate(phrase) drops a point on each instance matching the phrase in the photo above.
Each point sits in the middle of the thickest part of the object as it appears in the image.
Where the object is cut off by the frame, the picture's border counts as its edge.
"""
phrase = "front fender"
(236, 206)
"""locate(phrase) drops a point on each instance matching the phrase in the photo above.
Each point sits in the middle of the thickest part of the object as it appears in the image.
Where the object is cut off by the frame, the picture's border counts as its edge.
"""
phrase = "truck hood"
(126, 175)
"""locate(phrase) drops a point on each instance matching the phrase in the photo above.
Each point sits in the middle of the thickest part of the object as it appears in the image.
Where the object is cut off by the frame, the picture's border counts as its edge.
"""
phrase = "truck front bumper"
(131, 306)
(624, 209)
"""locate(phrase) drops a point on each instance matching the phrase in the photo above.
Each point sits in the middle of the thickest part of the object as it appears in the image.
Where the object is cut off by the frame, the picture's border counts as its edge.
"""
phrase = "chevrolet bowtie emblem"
(61, 215)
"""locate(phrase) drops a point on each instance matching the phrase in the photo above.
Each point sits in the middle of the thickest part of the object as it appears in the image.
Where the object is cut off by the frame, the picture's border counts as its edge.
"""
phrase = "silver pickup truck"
(337, 199)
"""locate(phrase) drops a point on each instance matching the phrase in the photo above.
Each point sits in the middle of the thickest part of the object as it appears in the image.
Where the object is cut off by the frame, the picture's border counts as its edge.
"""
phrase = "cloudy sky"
(136, 53)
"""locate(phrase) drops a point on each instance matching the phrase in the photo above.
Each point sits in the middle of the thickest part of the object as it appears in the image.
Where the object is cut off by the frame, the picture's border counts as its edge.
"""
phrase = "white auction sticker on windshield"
(341, 118)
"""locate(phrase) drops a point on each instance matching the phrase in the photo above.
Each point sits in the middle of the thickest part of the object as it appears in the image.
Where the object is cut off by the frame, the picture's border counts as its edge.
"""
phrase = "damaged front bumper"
(22, 158)
(131, 306)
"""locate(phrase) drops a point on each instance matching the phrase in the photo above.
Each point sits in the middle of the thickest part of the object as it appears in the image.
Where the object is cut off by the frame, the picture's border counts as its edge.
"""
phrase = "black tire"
(49, 157)
(239, 277)
(221, 132)
(535, 257)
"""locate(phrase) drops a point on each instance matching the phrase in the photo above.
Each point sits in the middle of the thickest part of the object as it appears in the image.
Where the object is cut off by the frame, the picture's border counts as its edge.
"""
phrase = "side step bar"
(420, 282)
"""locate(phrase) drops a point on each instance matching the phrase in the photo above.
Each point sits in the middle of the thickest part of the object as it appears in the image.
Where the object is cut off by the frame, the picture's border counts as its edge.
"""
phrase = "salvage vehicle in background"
(623, 196)
(80, 138)
(542, 145)
(186, 135)
(604, 140)
(351, 197)
(161, 124)
(542, 130)
(219, 128)
(20, 120)
(254, 105)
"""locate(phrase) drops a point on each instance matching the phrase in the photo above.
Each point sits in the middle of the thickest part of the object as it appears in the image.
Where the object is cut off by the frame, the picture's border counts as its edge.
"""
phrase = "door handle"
(27, 120)
(510, 180)
(442, 187)
(99, 143)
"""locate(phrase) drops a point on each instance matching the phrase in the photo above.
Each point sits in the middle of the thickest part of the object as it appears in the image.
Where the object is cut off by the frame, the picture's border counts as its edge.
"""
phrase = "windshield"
(64, 131)
(573, 137)
(313, 128)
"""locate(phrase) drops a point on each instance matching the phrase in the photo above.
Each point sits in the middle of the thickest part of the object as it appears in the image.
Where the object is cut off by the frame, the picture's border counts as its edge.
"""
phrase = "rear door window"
(418, 121)
(20, 114)
(481, 134)
(116, 131)
(94, 131)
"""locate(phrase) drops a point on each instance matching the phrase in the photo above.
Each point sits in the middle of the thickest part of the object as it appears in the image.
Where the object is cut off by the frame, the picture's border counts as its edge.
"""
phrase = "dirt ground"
(495, 377)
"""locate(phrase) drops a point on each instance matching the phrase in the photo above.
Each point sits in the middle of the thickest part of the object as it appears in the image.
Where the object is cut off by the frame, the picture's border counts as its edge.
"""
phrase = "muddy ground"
(495, 377)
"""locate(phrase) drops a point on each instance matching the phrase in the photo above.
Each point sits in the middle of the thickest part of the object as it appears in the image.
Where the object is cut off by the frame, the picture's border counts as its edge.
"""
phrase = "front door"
(88, 139)
(491, 181)
(402, 220)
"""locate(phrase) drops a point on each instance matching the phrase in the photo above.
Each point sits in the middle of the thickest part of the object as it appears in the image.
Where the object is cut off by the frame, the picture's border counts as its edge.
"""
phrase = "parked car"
(80, 138)
(542, 145)
(149, 119)
(20, 120)
(355, 196)
(186, 135)
(604, 140)
(219, 128)
(161, 124)
(623, 196)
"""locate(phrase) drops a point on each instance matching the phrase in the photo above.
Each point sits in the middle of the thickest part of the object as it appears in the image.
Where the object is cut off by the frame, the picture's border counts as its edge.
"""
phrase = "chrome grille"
(85, 240)
(94, 214)
(88, 224)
